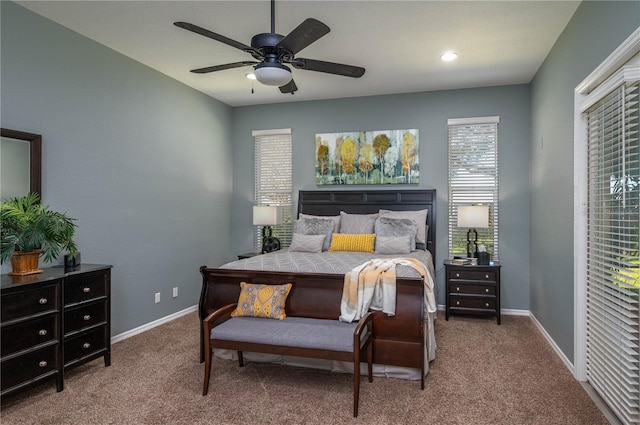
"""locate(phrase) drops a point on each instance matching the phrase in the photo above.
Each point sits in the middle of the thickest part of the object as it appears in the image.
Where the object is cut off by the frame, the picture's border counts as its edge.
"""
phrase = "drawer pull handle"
(486, 290)
(486, 304)
(457, 274)
(486, 276)
(87, 317)
(43, 301)
(43, 363)
(86, 290)
(86, 345)
(458, 288)
(457, 302)
(42, 332)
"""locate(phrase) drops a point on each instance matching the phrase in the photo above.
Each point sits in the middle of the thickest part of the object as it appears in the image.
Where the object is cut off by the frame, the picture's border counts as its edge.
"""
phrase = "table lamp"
(473, 217)
(267, 216)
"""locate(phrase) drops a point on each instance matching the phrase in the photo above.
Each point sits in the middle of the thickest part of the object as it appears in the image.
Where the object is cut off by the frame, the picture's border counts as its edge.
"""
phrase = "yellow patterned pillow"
(346, 242)
(258, 300)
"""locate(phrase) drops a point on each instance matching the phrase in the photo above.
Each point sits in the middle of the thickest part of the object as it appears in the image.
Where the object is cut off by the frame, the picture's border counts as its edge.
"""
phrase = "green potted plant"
(30, 229)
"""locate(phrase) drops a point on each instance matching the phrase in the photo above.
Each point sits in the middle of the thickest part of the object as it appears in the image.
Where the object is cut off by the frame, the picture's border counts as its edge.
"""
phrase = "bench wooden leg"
(207, 365)
(370, 360)
(356, 380)
(240, 359)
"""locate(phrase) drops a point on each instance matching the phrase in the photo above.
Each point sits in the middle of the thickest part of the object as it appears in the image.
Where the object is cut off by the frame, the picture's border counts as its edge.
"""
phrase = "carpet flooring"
(483, 374)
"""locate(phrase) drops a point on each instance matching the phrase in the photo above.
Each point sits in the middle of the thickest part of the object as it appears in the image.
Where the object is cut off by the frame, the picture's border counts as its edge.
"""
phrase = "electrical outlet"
(157, 297)
(175, 292)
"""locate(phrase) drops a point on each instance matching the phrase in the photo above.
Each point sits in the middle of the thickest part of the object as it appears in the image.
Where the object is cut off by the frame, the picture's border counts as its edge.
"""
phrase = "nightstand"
(248, 255)
(472, 289)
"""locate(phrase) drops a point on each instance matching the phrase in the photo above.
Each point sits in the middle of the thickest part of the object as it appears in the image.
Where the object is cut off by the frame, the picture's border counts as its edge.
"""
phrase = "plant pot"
(25, 263)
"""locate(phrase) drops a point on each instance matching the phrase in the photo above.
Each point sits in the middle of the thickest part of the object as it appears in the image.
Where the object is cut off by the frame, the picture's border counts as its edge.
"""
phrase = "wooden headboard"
(331, 202)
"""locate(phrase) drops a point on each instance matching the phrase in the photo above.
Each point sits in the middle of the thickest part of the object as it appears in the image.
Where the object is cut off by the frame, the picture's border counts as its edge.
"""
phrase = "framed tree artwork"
(368, 157)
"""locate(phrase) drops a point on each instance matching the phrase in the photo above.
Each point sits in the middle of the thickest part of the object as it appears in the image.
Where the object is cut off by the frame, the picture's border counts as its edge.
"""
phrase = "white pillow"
(306, 243)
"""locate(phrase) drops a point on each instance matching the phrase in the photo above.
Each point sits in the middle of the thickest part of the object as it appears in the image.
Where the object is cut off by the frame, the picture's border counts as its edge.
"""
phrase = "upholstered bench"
(294, 336)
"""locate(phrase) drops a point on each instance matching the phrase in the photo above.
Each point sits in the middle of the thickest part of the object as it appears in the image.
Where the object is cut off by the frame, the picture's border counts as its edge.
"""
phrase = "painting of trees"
(368, 157)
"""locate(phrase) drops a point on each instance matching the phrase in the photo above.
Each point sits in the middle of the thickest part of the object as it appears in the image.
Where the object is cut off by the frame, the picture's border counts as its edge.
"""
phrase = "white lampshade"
(265, 215)
(272, 74)
(473, 216)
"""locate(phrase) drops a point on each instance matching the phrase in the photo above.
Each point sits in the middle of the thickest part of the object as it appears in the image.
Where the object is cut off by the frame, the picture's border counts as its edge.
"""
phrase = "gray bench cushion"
(302, 332)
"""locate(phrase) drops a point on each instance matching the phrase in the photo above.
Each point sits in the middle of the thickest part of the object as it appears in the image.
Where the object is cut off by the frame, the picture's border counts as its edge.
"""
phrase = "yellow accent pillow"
(347, 242)
(257, 300)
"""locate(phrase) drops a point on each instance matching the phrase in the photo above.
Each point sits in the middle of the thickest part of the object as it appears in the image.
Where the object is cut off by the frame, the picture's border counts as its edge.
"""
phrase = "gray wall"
(595, 30)
(428, 112)
(141, 161)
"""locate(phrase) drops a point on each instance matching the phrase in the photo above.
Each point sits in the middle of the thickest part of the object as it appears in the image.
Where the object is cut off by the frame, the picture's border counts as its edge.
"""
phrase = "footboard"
(398, 340)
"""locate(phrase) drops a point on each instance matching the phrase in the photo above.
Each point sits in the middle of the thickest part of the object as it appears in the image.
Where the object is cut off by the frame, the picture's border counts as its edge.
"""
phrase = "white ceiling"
(398, 42)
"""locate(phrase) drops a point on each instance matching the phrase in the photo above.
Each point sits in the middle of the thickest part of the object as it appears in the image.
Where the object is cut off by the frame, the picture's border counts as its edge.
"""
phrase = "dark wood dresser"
(472, 290)
(53, 321)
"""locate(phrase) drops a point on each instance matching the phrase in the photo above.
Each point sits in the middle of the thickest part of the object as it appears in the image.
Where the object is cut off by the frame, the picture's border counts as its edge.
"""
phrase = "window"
(473, 178)
(612, 234)
(273, 180)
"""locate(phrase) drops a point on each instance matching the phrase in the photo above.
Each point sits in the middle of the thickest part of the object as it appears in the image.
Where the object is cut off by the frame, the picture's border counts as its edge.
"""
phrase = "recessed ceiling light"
(449, 56)
(250, 76)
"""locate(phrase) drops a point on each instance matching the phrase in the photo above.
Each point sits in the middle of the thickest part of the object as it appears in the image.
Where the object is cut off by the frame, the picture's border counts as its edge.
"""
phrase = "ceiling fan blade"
(222, 67)
(328, 67)
(290, 87)
(214, 36)
(303, 35)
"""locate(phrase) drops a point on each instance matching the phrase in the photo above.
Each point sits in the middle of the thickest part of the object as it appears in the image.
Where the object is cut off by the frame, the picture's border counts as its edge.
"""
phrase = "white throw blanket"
(372, 286)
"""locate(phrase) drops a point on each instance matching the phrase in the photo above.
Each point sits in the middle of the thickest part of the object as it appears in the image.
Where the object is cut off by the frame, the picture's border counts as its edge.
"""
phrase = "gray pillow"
(386, 226)
(357, 224)
(419, 217)
(317, 226)
(335, 218)
(306, 243)
(393, 244)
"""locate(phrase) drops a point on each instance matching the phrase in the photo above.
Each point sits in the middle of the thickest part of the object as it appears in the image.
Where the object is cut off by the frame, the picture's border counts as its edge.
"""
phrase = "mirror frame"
(35, 156)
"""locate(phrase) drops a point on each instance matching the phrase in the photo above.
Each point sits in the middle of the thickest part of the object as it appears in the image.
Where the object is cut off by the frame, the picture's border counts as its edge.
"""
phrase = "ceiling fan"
(272, 51)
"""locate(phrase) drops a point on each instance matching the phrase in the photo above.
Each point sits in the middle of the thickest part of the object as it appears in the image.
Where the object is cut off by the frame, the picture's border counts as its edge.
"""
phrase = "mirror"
(20, 163)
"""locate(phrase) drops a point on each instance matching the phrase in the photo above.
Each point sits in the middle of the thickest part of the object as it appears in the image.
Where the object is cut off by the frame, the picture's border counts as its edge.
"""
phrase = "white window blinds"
(273, 180)
(473, 179)
(613, 262)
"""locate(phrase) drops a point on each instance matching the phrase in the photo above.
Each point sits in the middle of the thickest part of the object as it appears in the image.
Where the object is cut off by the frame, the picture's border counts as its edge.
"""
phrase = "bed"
(404, 343)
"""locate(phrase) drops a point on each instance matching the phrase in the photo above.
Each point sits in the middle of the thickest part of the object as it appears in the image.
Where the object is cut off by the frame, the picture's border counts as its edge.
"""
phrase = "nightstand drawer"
(479, 275)
(460, 288)
(84, 288)
(483, 303)
(29, 334)
(84, 317)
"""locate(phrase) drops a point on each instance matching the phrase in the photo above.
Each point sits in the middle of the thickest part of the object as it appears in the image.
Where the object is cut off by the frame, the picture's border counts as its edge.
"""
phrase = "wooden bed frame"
(398, 340)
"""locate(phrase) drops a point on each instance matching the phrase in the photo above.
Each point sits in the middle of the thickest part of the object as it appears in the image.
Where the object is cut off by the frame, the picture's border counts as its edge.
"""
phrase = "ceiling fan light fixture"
(449, 56)
(272, 74)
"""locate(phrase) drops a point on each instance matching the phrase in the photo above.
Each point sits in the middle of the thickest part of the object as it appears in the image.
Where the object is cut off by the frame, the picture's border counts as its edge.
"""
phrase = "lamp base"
(269, 243)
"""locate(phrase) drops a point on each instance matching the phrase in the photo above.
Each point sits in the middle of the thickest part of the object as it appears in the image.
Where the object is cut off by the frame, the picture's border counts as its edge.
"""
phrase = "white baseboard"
(553, 344)
(151, 325)
(505, 311)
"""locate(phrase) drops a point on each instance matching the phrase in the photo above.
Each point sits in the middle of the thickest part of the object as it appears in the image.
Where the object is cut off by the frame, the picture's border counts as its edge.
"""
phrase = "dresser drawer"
(473, 302)
(461, 288)
(86, 316)
(30, 302)
(458, 274)
(85, 344)
(29, 366)
(85, 287)
(28, 334)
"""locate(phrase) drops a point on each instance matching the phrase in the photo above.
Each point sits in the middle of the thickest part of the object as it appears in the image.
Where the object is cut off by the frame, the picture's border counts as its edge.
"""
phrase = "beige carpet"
(483, 374)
